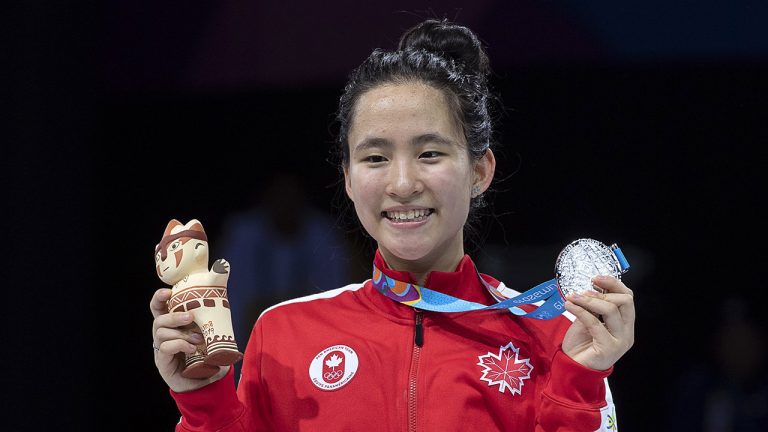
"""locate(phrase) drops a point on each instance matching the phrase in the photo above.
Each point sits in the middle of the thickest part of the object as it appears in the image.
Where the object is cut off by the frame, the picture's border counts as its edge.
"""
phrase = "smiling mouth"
(407, 216)
(166, 268)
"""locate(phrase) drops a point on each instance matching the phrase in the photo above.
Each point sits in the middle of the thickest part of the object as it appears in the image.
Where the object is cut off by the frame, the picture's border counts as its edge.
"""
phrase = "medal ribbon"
(426, 299)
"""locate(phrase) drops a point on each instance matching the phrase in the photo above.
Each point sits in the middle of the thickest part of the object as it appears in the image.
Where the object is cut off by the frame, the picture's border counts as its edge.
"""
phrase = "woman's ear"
(348, 182)
(485, 167)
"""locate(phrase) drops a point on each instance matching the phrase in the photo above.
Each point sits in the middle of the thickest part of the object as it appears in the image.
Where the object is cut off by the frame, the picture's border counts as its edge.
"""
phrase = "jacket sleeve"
(218, 407)
(576, 398)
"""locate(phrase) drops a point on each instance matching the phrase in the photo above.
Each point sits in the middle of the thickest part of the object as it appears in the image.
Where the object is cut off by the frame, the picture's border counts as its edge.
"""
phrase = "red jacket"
(352, 359)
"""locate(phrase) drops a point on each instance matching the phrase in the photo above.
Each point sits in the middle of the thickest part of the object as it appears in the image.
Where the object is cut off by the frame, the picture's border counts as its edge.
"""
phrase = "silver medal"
(582, 260)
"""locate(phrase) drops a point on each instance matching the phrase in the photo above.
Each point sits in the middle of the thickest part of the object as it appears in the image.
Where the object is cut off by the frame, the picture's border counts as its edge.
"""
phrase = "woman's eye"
(430, 155)
(374, 159)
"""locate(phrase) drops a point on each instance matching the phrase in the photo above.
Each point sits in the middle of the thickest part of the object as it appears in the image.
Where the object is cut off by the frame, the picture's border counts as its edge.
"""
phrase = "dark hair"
(442, 54)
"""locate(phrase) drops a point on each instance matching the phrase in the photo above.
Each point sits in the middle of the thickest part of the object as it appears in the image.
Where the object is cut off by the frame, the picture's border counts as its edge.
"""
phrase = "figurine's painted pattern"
(206, 296)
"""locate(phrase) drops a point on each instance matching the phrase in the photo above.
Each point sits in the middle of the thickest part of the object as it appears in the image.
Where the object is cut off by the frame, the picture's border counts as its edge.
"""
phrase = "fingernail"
(197, 337)
(186, 316)
(576, 296)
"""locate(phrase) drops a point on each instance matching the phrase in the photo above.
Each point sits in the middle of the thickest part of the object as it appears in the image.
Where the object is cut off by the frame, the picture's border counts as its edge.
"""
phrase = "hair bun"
(449, 40)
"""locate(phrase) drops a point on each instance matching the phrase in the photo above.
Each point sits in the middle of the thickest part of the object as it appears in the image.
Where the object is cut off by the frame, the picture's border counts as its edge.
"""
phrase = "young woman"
(415, 143)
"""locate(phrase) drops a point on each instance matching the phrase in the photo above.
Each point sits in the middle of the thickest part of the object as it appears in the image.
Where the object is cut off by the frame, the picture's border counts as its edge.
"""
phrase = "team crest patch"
(507, 369)
(333, 367)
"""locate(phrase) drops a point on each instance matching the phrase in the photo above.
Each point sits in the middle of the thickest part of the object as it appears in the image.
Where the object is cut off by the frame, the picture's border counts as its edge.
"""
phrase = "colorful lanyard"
(426, 299)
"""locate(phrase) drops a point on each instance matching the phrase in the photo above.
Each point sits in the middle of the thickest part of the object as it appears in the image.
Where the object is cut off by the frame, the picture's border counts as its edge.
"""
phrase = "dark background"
(640, 123)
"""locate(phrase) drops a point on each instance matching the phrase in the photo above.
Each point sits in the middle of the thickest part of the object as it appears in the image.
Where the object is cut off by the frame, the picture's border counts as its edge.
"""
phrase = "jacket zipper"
(418, 342)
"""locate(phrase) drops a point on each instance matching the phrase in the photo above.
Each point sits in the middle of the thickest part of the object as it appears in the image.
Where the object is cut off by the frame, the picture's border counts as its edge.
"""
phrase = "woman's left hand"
(597, 344)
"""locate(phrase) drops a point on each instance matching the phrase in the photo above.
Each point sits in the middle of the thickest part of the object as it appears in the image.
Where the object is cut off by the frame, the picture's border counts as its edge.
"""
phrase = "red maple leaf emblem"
(505, 369)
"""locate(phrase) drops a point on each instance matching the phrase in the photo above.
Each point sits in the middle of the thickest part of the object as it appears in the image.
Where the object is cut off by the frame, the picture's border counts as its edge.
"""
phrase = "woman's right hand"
(175, 334)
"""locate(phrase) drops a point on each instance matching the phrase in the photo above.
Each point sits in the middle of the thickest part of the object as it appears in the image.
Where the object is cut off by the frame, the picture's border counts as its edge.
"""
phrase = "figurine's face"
(184, 256)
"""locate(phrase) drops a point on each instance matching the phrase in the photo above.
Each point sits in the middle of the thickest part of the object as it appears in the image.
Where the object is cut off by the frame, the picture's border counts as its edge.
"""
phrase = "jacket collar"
(462, 283)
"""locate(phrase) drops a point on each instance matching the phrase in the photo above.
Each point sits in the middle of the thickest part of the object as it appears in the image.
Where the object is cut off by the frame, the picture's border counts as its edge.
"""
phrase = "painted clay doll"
(181, 260)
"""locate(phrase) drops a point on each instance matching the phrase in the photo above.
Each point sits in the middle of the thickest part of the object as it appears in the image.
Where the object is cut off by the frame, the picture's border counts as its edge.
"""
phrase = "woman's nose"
(404, 179)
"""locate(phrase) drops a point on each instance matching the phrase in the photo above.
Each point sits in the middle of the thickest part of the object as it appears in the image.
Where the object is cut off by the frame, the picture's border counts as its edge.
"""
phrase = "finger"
(158, 305)
(607, 310)
(172, 320)
(611, 284)
(625, 303)
(593, 325)
(165, 334)
(175, 346)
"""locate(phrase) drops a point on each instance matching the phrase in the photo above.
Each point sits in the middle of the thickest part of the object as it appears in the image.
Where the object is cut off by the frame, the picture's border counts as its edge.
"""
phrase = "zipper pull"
(419, 336)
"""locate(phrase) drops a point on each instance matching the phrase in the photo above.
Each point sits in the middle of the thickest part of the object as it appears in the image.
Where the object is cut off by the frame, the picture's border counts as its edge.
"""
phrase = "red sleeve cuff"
(211, 407)
(572, 383)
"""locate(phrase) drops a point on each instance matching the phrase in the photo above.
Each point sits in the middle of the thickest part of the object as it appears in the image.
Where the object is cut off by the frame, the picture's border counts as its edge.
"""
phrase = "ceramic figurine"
(181, 260)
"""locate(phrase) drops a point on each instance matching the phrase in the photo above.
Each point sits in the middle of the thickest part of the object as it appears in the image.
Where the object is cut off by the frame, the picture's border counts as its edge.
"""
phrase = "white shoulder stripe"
(318, 296)
(502, 287)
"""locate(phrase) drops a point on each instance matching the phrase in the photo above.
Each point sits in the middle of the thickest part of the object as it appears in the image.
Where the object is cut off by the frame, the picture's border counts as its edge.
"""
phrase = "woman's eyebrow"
(372, 143)
(434, 138)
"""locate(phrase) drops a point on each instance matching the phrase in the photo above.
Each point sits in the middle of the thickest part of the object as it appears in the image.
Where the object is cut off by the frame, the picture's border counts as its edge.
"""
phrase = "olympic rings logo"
(333, 375)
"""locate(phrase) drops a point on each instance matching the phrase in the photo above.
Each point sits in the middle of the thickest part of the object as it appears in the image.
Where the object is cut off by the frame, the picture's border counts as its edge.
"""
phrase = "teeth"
(409, 216)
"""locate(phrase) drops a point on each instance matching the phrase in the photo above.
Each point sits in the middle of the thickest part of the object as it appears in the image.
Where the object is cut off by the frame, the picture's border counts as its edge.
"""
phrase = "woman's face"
(410, 175)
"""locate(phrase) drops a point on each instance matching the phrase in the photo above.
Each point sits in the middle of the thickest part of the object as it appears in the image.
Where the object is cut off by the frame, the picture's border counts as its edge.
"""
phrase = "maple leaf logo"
(333, 361)
(505, 369)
